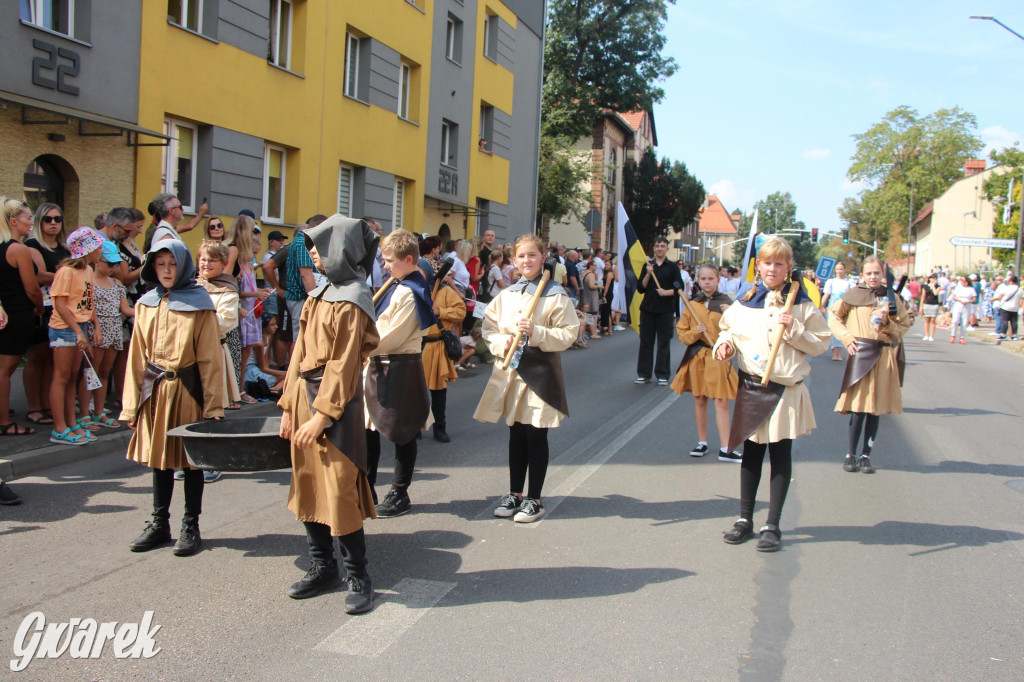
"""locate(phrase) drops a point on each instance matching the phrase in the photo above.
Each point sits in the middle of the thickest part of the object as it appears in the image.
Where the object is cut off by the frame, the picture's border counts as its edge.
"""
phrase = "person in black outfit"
(657, 311)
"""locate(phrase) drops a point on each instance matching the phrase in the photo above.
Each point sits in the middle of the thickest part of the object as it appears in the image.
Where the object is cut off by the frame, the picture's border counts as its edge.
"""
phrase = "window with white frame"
(280, 48)
(491, 37)
(186, 13)
(404, 82)
(179, 173)
(486, 128)
(345, 190)
(274, 159)
(351, 65)
(54, 15)
(453, 39)
(449, 143)
(399, 204)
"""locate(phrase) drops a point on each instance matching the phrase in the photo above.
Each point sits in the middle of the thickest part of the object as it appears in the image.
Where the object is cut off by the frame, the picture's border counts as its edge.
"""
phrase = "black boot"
(189, 540)
(440, 435)
(320, 578)
(156, 534)
(395, 503)
(157, 531)
(438, 407)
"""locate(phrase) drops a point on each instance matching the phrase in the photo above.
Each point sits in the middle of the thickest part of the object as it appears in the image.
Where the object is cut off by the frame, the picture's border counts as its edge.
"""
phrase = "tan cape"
(879, 392)
(437, 366)
(750, 331)
(170, 339)
(226, 303)
(327, 487)
(702, 375)
(507, 395)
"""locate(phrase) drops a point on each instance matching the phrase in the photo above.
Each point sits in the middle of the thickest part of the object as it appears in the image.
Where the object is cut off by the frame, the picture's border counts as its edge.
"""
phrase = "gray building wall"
(229, 170)
(106, 48)
(501, 137)
(244, 24)
(524, 124)
(506, 44)
(529, 12)
(373, 194)
(451, 98)
(497, 220)
(383, 76)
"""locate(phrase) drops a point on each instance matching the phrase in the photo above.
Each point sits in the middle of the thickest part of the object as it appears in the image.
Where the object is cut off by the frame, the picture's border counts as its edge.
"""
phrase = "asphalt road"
(910, 574)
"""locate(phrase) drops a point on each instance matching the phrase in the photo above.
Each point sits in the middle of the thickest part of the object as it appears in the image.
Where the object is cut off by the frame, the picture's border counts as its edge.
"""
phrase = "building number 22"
(43, 66)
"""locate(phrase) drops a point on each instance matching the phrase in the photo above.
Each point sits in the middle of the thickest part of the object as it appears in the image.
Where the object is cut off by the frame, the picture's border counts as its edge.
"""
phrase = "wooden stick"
(794, 289)
(529, 313)
(380, 292)
(690, 307)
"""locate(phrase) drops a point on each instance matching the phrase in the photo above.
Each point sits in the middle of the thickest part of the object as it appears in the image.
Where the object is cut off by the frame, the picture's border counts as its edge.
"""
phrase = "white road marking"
(397, 611)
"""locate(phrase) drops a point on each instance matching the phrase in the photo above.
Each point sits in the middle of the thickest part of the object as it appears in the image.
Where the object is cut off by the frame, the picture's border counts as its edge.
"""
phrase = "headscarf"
(184, 295)
(346, 248)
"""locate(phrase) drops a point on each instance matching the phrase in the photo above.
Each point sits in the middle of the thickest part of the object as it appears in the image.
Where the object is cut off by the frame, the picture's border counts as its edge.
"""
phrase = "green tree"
(777, 213)
(689, 196)
(905, 153)
(1012, 159)
(560, 180)
(602, 54)
(659, 197)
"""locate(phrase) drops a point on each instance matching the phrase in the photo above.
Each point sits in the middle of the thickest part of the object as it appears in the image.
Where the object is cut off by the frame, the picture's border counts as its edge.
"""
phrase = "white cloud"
(726, 192)
(998, 137)
(817, 154)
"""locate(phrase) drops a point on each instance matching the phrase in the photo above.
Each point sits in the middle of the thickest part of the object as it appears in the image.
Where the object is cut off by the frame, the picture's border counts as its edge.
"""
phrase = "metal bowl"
(240, 444)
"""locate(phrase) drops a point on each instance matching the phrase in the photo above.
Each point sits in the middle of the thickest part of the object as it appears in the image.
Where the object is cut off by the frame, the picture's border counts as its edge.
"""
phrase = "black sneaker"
(440, 435)
(699, 450)
(726, 456)
(395, 503)
(508, 506)
(154, 535)
(320, 578)
(360, 595)
(851, 464)
(740, 532)
(188, 540)
(7, 496)
(642, 380)
(865, 465)
(771, 539)
(530, 511)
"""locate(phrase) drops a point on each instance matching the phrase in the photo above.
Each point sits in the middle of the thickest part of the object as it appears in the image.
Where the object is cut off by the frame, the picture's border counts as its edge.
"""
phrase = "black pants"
(405, 461)
(654, 327)
(352, 548)
(781, 455)
(163, 490)
(869, 424)
(605, 310)
(438, 405)
(1009, 321)
(527, 451)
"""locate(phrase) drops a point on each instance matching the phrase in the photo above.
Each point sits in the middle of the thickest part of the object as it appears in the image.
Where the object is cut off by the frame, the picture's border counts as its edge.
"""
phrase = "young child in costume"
(450, 309)
(397, 399)
(223, 290)
(699, 373)
(175, 377)
(871, 384)
(322, 399)
(530, 398)
(769, 418)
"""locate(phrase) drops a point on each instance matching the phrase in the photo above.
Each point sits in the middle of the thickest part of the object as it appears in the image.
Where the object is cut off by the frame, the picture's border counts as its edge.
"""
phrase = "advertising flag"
(631, 264)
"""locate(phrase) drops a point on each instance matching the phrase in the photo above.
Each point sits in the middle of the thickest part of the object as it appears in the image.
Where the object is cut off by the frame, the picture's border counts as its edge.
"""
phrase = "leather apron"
(542, 372)
(348, 433)
(397, 396)
(754, 406)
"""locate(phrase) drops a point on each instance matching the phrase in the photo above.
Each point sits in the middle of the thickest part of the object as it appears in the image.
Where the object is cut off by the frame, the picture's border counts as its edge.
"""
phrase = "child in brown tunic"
(322, 400)
(699, 373)
(450, 309)
(175, 377)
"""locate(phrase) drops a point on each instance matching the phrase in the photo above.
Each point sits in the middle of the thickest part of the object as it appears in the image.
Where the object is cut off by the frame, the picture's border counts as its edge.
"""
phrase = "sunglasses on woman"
(216, 226)
(52, 219)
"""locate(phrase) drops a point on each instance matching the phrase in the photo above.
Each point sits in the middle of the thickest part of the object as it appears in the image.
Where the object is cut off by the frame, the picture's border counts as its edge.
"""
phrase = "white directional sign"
(987, 243)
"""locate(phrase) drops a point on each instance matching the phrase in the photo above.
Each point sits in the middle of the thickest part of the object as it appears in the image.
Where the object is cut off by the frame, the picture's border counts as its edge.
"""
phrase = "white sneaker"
(619, 328)
(530, 511)
(993, 333)
(970, 329)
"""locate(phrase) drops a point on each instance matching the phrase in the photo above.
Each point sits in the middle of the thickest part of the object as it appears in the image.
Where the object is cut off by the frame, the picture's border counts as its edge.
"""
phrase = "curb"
(32, 462)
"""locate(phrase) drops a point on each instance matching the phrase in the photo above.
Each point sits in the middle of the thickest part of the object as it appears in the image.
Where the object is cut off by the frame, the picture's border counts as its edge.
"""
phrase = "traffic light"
(846, 236)
(814, 235)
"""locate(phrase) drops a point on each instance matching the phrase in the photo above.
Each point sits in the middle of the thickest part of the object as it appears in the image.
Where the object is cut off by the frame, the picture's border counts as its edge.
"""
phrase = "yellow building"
(292, 108)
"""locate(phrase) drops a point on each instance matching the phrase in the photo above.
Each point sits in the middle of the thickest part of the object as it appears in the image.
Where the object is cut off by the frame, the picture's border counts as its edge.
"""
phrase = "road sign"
(987, 243)
(825, 266)
(911, 248)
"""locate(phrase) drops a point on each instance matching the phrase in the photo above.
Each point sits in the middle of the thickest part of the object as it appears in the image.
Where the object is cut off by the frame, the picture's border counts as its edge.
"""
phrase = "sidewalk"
(22, 456)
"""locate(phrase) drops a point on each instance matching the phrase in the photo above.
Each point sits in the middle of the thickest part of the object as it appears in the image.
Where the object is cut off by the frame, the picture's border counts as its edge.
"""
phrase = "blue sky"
(769, 93)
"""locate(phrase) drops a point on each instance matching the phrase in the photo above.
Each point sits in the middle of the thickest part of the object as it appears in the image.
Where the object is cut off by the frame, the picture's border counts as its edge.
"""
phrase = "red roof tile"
(715, 218)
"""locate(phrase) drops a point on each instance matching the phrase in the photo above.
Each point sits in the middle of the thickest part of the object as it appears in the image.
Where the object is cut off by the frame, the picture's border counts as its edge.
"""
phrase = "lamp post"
(968, 259)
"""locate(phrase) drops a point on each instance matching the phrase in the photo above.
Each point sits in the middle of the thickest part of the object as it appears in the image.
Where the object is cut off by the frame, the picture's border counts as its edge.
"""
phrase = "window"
(273, 184)
(186, 13)
(491, 37)
(612, 167)
(453, 40)
(486, 128)
(345, 190)
(449, 143)
(399, 204)
(351, 65)
(404, 82)
(483, 219)
(280, 33)
(54, 15)
(179, 175)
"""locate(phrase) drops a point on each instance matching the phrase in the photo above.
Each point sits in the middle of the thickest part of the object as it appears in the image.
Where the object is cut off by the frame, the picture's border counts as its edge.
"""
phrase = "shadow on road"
(934, 535)
(963, 467)
(955, 411)
(46, 502)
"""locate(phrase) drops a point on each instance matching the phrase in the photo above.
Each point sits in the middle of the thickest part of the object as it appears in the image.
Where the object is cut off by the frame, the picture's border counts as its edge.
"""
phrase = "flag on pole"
(631, 263)
(749, 258)
(1009, 202)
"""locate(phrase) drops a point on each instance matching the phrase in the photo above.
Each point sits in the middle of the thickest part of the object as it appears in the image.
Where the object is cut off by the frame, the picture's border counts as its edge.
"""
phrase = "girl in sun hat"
(72, 295)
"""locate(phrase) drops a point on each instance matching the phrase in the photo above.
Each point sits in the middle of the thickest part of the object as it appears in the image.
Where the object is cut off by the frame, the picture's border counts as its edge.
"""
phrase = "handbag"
(486, 296)
(452, 343)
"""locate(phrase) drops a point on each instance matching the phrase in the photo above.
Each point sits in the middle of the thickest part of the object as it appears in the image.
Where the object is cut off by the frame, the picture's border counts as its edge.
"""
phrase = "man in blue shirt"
(298, 275)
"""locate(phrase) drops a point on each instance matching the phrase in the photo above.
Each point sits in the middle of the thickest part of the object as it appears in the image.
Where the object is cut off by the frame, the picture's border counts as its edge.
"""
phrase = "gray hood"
(347, 248)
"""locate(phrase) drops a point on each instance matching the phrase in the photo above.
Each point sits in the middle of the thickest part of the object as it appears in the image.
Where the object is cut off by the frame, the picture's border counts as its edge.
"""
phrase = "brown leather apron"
(754, 406)
(860, 364)
(542, 372)
(188, 376)
(397, 396)
(348, 433)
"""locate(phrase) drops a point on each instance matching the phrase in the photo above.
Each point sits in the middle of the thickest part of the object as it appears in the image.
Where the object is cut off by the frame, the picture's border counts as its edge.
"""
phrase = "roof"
(635, 119)
(923, 213)
(715, 219)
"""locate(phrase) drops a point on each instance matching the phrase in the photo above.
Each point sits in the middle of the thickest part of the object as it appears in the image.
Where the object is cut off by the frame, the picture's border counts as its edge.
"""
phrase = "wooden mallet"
(441, 274)
(549, 269)
(795, 279)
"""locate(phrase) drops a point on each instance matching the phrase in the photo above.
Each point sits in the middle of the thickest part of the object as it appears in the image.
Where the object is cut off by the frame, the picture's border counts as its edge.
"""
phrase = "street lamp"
(993, 19)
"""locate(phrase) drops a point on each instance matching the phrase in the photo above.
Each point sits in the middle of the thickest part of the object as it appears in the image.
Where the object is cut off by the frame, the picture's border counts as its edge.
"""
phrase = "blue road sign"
(825, 267)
